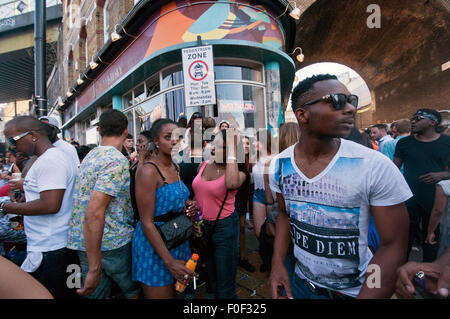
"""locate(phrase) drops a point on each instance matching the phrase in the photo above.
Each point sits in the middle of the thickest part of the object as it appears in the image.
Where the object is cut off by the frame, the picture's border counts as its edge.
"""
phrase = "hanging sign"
(198, 73)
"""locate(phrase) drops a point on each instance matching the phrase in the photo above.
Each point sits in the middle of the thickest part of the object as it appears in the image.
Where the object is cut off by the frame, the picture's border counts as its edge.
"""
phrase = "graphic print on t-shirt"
(324, 215)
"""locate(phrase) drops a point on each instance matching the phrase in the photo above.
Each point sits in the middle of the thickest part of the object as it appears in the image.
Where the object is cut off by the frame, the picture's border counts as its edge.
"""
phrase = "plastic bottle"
(191, 264)
(198, 221)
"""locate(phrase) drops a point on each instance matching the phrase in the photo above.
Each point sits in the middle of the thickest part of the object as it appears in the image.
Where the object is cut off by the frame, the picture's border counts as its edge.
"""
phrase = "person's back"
(102, 170)
(101, 225)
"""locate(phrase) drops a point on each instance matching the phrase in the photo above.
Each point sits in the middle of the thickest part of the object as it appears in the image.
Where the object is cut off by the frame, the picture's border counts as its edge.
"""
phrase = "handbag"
(177, 227)
(176, 231)
(204, 245)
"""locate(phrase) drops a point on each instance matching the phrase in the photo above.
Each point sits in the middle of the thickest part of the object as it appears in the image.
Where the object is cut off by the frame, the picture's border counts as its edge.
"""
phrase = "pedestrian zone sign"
(198, 73)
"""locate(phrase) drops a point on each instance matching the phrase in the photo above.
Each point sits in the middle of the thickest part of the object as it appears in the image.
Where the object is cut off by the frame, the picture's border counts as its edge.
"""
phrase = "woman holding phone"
(215, 188)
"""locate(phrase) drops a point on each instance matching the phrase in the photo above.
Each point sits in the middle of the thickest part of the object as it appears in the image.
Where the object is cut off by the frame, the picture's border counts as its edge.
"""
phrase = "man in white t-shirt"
(48, 187)
(52, 130)
(327, 189)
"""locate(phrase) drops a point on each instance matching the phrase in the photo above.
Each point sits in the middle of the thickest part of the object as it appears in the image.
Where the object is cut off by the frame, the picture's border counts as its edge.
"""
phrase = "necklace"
(218, 168)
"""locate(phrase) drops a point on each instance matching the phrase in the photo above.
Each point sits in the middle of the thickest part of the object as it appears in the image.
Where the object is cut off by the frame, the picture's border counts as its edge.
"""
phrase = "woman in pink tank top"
(217, 176)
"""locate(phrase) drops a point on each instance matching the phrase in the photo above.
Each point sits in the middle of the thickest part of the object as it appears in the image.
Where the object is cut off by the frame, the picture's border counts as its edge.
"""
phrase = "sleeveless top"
(210, 195)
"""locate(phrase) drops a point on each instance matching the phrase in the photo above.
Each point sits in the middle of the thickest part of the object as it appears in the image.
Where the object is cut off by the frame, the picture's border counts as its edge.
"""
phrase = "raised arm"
(233, 177)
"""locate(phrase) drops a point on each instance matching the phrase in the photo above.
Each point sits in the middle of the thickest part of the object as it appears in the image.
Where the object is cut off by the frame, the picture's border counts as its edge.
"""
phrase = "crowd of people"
(327, 201)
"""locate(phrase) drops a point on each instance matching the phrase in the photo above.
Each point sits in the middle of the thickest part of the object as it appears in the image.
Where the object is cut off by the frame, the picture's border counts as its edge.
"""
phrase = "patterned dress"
(148, 267)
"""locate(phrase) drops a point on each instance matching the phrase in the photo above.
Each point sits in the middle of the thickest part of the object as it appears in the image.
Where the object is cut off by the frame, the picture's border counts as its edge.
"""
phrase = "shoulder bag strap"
(220, 212)
(159, 172)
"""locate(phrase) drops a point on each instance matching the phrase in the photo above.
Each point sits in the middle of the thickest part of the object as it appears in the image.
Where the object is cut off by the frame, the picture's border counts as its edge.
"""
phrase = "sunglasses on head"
(197, 115)
(13, 140)
(338, 100)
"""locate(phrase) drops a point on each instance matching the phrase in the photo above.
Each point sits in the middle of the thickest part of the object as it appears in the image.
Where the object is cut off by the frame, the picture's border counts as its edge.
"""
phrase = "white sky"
(323, 68)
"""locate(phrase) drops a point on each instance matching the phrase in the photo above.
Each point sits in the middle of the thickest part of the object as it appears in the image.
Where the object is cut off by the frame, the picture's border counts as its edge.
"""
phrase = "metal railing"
(14, 8)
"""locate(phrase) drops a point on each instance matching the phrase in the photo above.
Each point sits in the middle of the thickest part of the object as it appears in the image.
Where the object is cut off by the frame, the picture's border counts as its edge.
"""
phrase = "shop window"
(129, 116)
(106, 21)
(172, 77)
(241, 105)
(127, 100)
(240, 73)
(152, 85)
(139, 94)
(175, 103)
(70, 69)
(82, 51)
(148, 112)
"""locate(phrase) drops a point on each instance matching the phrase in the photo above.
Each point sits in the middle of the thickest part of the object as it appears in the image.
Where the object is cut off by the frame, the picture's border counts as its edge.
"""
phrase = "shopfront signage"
(198, 73)
(230, 106)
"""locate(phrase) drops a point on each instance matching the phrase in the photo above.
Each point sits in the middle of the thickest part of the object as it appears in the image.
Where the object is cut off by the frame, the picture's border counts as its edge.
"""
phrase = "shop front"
(252, 73)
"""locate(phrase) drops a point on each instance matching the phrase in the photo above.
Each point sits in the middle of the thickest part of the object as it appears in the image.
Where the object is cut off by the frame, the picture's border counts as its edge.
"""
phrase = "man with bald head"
(327, 188)
(48, 188)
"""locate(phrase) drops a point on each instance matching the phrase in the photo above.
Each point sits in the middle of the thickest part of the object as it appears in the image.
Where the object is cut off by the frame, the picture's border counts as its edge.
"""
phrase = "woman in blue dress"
(159, 191)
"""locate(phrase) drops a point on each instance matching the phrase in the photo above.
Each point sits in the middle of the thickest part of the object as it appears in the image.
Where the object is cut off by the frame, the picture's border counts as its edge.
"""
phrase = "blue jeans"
(116, 265)
(299, 287)
(222, 264)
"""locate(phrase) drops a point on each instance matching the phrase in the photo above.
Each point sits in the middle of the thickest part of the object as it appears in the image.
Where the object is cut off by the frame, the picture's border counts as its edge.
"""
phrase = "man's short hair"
(112, 123)
(381, 126)
(403, 126)
(26, 123)
(306, 85)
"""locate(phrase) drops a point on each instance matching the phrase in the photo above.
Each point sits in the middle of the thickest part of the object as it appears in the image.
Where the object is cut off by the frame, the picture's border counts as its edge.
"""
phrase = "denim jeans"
(116, 266)
(222, 264)
(52, 273)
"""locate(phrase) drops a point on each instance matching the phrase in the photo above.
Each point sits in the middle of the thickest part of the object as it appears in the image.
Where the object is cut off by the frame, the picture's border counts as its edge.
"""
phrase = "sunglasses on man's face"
(338, 100)
(13, 140)
(417, 118)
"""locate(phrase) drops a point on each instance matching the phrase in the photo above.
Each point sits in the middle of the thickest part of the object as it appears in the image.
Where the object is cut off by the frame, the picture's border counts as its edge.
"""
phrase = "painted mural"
(232, 20)
(181, 22)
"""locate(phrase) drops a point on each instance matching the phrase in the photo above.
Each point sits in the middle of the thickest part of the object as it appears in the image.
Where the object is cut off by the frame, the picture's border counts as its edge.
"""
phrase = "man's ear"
(35, 136)
(302, 115)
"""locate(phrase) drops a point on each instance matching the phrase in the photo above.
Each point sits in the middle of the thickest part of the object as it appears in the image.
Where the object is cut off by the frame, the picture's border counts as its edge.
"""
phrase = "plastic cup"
(16, 177)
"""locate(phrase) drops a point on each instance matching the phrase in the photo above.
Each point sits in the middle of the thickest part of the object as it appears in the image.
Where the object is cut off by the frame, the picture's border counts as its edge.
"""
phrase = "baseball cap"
(51, 121)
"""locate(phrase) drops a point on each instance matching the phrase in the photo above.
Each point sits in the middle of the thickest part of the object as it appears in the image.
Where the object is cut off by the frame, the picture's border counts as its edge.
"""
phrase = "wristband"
(231, 158)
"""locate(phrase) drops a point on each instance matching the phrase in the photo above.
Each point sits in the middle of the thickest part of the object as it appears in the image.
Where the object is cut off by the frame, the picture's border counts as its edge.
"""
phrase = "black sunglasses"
(338, 100)
(197, 116)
